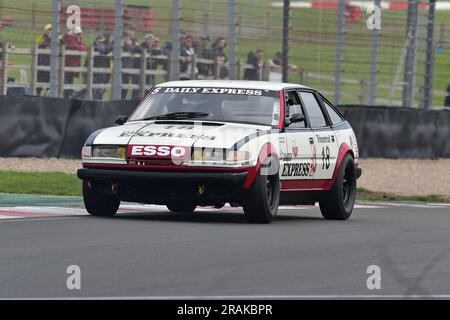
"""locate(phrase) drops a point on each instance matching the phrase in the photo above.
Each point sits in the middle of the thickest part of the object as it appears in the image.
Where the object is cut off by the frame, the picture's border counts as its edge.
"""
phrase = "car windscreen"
(211, 104)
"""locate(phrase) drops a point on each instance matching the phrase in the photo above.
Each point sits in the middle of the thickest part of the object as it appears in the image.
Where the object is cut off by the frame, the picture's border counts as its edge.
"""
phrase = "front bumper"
(163, 186)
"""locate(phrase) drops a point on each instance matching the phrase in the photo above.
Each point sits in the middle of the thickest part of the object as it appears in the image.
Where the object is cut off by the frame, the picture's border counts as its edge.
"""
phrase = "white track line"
(20, 212)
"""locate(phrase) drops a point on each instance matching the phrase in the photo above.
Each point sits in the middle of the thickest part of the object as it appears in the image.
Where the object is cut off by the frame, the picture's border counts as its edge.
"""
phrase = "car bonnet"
(178, 133)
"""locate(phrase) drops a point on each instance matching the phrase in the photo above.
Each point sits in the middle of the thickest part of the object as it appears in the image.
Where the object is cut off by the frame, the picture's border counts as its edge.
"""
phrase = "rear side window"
(334, 116)
(315, 114)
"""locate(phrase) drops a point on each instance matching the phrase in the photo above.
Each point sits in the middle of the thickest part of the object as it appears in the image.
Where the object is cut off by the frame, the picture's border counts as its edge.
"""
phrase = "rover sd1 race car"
(207, 143)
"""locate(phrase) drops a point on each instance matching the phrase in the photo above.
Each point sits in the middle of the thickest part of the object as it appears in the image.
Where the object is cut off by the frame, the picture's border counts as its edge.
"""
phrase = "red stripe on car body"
(282, 111)
(267, 150)
(145, 167)
(306, 185)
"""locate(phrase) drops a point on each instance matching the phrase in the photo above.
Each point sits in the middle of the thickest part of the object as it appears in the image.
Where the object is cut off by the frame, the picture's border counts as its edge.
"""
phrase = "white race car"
(206, 143)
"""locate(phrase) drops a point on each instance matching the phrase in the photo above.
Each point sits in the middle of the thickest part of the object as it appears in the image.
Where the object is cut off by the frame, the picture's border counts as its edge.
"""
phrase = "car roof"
(238, 84)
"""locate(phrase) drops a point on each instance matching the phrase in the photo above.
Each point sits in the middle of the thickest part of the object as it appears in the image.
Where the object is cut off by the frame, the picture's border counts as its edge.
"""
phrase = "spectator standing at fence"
(156, 51)
(276, 64)
(168, 47)
(203, 51)
(103, 46)
(73, 41)
(255, 60)
(152, 45)
(43, 59)
(187, 53)
(3, 23)
(130, 45)
(182, 38)
(217, 52)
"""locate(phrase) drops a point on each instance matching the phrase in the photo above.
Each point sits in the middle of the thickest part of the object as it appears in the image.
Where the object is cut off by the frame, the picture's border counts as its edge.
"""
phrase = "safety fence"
(149, 67)
(56, 127)
(385, 60)
(361, 88)
(153, 66)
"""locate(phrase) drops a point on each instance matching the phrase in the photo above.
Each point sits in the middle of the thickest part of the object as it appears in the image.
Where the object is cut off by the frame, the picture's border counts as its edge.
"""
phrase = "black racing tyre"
(337, 204)
(181, 207)
(261, 200)
(99, 205)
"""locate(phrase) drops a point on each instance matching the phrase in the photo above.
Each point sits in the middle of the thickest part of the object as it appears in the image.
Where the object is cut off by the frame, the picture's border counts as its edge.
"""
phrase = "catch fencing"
(352, 64)
(29, 84)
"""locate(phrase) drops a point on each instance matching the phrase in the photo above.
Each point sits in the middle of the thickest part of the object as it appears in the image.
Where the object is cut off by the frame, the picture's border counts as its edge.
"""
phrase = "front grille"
(147, 161)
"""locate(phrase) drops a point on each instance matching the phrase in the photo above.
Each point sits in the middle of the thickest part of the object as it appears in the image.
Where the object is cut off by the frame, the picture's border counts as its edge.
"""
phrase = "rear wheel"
(339, 201)
(262, 199)
(99, 205)
(181, 207)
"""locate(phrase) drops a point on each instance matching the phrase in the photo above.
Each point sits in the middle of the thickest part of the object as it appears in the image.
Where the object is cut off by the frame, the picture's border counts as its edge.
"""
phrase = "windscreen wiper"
(177, 116)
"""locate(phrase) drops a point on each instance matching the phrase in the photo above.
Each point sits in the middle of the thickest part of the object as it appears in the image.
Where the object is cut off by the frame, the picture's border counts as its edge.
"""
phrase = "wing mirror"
(296, 117)
(120, 120)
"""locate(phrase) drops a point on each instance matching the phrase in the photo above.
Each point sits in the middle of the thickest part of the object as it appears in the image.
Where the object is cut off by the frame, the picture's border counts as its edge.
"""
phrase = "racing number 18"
(325, 157)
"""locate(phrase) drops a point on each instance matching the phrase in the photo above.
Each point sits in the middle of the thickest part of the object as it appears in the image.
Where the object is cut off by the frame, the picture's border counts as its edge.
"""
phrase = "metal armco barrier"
(54, 127)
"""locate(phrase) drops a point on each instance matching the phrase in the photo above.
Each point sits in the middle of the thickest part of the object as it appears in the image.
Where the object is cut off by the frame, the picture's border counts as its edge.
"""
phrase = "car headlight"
(209, 154)
(219, 155)
(238, 156)
(116, 152)
(86, 152)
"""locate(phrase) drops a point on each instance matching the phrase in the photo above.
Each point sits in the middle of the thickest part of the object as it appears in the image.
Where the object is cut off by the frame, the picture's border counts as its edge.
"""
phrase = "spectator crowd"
(132, 49)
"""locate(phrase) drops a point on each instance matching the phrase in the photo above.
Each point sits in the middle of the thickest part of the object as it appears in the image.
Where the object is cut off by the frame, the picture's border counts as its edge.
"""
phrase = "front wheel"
(262, 199)
(99, 205)
(338, 203)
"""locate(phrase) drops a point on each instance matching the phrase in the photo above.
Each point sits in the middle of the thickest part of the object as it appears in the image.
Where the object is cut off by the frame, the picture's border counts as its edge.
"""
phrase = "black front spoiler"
(102, 174)
(161, 187)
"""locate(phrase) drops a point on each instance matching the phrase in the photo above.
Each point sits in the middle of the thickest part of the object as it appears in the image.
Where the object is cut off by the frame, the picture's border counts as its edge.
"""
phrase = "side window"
(334, 116)
(293, 106)
(315, 114)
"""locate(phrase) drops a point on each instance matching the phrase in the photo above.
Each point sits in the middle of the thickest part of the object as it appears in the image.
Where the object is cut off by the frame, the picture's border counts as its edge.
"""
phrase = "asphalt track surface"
(149, 252)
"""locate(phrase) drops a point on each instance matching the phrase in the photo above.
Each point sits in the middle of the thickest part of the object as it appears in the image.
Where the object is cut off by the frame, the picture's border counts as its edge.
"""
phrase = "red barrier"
(403, 5)
(352, 14)
(324, 4)
(393, 5)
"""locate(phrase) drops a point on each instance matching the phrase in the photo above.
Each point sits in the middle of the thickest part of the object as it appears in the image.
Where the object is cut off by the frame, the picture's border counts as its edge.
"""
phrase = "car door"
(297, 164)
(325, 146)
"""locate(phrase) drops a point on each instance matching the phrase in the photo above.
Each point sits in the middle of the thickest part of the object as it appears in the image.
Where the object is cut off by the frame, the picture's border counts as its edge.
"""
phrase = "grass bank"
(364, 194)
(60, 184)
(65, 184)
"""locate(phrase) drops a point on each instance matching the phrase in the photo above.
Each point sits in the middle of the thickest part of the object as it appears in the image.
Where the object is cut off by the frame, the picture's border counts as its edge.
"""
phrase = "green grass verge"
(60, 184)
(64, 184)
(364, 194)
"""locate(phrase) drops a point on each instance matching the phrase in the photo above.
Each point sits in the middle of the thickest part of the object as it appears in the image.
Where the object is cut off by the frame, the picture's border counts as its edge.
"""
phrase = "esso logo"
(157, 151)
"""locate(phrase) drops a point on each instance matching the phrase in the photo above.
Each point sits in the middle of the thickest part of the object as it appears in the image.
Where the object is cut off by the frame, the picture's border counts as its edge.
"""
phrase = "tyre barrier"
(55, 127)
